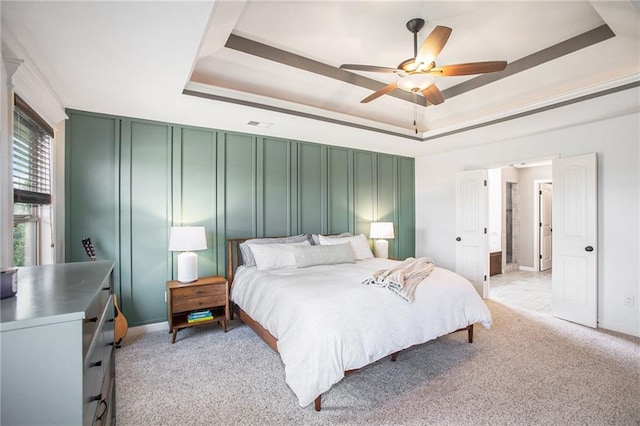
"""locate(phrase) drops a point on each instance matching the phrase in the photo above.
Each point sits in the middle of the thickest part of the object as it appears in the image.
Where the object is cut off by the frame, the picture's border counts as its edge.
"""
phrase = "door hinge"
(485, 278)
(485, 230)
(540, 224)
(540, 256)
(485, 182)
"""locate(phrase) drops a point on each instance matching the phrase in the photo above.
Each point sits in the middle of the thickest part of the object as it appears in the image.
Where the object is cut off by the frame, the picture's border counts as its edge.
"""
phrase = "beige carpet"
(528, 369)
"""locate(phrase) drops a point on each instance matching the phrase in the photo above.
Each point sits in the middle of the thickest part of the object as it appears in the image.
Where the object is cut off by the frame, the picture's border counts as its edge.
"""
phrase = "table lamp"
(380, 231)
(187, 239)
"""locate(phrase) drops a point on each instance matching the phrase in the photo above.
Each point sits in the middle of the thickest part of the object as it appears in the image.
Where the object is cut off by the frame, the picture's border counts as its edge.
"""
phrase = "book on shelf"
(199, 314)
(195, 320)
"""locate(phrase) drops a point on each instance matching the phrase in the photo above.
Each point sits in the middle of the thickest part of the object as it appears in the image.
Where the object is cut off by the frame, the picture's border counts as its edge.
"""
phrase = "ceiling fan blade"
(434, 44)
(433, 95)
(470, 68)
(369, 68)
(380, 92)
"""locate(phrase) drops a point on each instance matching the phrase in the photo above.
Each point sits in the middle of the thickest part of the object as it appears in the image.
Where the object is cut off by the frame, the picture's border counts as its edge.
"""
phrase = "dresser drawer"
(99, 409)
(93, 317)
(105, 415)
(97, 363)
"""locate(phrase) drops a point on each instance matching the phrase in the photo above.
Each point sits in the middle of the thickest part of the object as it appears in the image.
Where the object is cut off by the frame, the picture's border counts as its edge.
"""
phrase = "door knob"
(458, 239)
(588, 248)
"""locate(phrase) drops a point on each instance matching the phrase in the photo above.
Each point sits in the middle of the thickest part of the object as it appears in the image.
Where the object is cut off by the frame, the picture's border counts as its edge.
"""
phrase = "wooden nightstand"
(205, 293)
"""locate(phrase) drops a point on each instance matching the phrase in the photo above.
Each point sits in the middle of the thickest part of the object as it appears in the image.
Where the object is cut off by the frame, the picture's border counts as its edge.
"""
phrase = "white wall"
(495, 209)
(615, 140)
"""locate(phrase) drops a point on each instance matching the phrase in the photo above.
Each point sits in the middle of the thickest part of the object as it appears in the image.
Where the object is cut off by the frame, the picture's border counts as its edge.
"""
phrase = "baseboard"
(527, 268)
(147, 328)
(619, 328)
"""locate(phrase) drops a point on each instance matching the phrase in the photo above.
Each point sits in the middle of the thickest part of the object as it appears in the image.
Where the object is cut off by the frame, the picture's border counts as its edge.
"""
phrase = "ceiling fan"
(418, 72)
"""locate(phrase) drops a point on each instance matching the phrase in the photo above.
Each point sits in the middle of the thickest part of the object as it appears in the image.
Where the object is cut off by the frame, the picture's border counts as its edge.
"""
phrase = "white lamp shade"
(381, 230)
(187, 238)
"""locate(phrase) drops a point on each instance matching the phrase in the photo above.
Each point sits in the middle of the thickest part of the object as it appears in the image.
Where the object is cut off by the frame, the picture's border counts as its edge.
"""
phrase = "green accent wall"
(129, 180)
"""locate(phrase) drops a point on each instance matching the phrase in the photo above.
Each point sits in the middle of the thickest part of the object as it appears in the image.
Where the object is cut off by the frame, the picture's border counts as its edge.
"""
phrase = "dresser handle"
(95, 364)
(94, 398)
(106, 409)
(93, 319)
(106, 288)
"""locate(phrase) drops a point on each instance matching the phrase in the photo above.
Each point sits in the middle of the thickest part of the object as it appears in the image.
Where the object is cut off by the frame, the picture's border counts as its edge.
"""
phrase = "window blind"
(31, 156)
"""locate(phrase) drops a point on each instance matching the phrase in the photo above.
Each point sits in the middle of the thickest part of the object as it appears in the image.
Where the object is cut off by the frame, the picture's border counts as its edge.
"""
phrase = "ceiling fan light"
(415, 82)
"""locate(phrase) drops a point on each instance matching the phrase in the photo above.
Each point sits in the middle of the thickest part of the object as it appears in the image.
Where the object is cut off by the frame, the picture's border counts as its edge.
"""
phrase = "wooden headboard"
(234, 257)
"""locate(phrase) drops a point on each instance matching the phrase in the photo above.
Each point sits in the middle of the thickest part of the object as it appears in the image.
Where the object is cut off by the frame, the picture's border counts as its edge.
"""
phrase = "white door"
(546, 192)
(575, 245)
(472, 250)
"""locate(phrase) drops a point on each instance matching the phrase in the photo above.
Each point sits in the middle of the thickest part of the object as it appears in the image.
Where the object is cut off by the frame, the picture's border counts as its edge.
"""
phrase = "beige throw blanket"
(403, 278)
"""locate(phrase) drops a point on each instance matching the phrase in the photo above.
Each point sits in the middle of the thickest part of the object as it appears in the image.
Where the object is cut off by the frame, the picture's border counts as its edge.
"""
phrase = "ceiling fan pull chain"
(415, 112)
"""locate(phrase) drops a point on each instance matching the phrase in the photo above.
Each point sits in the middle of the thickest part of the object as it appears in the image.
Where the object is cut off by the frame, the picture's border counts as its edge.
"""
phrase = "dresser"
(56, 340)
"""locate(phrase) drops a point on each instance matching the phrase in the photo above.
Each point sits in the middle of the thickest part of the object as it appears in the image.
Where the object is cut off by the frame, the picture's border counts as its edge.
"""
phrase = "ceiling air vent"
(259, 124)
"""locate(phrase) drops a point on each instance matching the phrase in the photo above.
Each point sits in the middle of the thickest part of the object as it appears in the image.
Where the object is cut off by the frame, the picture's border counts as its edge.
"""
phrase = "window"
(31, 182)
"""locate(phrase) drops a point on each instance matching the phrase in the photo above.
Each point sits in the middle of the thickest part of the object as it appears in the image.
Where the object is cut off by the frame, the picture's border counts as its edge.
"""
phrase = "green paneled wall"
(145, 207)
(365, 181)
(128, 181)
(239, 152)
(91, 181)
(405, 227)
(274, 187)
(340, 190)
(193, 178)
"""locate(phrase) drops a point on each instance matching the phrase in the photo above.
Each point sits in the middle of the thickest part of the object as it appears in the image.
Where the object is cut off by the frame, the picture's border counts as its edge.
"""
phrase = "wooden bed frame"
(234, 259)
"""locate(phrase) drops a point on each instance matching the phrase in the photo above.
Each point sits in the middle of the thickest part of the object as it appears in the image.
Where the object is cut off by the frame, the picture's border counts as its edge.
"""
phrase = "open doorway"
(520, 242)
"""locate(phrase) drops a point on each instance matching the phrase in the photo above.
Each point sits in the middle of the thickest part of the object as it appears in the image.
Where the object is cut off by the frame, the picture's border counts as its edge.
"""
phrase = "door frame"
(547, 160)
(537, 183)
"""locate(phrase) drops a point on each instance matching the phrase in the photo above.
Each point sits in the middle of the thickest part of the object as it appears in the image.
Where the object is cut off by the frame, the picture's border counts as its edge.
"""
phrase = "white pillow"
(245, 248)
(275, 256)
(315, 238)
(359, 245)
(323, 255)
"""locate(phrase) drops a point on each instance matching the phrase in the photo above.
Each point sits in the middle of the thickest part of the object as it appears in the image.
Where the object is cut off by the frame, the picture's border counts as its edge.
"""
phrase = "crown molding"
(28, 82)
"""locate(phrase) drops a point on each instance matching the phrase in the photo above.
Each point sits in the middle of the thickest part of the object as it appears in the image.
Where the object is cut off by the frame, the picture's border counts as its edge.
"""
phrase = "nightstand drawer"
(195, 303)
(195, 292)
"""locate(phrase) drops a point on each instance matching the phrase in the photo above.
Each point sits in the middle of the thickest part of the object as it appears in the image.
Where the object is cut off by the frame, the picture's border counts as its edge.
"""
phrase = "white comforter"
(327, 322)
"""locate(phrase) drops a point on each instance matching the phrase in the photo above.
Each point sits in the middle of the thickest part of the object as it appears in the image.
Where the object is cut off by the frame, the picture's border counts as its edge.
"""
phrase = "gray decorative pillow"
(245, 248)
(322, 255)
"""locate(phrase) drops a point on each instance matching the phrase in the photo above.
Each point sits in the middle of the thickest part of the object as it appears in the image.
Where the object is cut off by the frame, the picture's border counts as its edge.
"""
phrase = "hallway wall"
(616, 142)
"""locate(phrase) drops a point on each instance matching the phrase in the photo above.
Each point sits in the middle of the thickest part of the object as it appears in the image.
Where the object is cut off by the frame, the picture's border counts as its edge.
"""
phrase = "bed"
(325, 323)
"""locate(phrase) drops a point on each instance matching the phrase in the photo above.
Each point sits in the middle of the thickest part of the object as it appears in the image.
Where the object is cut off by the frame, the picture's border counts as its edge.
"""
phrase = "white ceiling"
(168, 61)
